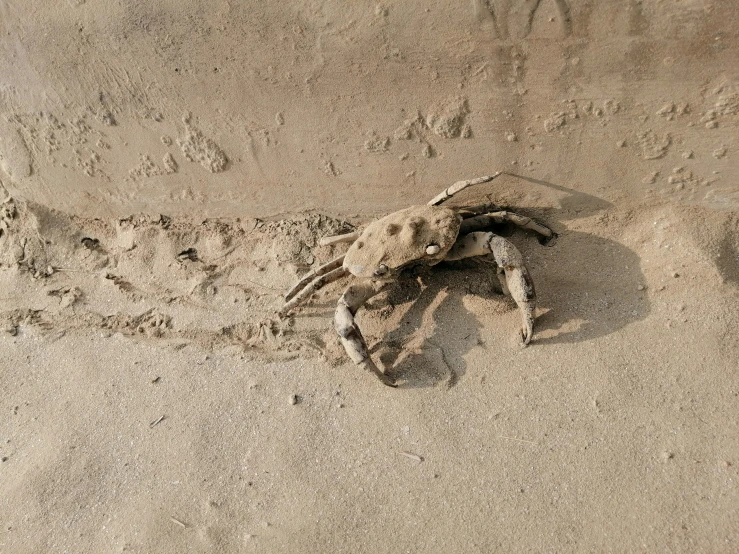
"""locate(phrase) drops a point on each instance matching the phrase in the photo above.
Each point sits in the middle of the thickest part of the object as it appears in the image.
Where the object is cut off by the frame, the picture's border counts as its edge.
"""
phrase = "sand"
(153, 401)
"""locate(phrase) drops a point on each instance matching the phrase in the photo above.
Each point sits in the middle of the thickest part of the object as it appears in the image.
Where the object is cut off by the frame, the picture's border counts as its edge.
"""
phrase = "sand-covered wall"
(233, 108)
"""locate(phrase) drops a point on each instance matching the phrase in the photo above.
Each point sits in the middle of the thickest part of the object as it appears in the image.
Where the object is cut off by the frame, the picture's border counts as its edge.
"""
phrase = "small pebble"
(675, 274)
(293, 399)
(641, 287)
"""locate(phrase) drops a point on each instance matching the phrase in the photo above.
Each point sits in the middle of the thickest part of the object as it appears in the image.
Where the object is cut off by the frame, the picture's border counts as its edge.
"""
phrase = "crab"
(418, 235)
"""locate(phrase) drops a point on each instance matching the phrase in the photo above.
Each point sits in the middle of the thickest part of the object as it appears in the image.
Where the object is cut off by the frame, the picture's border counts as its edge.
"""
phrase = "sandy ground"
(154, 403)
(166, 173)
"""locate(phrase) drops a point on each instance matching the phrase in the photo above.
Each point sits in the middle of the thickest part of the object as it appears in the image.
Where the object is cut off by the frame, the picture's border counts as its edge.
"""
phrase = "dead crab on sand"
(419, 235)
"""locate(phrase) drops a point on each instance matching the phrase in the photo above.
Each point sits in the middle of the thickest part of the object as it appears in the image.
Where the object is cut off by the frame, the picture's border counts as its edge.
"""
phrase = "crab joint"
(349, 334)
(381, 270)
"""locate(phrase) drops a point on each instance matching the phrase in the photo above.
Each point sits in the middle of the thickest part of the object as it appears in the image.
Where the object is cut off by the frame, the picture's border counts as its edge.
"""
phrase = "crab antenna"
(459, 186)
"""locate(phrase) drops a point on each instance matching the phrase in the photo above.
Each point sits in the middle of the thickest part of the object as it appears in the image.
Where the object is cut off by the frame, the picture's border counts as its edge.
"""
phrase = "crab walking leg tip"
(526, 334)
(370, 366)
(336, 239)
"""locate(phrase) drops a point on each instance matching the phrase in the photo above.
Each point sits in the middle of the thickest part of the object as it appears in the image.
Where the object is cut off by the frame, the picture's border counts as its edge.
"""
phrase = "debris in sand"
(653, 147)
(517, 440)
(447, 118)
(556, 120)
(376, 143)
(157, 421)
(666, 456)
(728, 104)
(170, 164)
(178, 522)
(412, 456)
(190, 254)
(90, 243)
(196, 147)
(146, 168)
(294, 399)
(67, 295)
(330, 169)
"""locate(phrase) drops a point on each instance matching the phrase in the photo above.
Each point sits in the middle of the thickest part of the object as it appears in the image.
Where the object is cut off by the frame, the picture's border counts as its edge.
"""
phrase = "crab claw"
(349, 333)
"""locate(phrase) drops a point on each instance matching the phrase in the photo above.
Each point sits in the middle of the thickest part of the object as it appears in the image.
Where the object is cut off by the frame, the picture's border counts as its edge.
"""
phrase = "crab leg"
(510, 262)
(335, 239)
(459, 186)
(308, 277)
(480, 222)
(313, 286)
(351, 337)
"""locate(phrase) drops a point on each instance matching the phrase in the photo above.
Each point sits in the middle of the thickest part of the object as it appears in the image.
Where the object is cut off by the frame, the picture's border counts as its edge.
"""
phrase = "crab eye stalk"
(432, 249)
(381, 270)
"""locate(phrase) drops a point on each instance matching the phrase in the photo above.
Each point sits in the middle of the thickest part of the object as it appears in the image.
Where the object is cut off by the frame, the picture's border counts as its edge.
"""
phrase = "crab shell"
(419, 234)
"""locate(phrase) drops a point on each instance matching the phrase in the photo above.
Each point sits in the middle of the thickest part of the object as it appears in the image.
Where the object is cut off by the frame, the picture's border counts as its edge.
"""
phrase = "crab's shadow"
(436, 331)
(588, 287)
